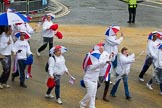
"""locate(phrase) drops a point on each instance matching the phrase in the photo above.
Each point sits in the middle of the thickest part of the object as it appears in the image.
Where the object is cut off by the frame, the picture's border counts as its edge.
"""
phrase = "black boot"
(13, 78)
(23, 85)
(104, 96)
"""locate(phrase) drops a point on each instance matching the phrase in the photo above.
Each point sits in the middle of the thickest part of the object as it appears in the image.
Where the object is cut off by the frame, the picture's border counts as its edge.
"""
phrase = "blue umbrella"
(9, 18)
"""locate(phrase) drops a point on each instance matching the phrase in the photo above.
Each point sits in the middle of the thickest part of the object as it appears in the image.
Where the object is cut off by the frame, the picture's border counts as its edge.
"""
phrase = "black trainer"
(23, 85)
(128, 98)
(112, 95)
(129, 22)
(133, 22)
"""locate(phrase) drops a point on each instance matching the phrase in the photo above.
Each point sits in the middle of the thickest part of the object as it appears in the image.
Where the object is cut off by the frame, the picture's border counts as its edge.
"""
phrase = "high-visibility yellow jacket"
(132, 3)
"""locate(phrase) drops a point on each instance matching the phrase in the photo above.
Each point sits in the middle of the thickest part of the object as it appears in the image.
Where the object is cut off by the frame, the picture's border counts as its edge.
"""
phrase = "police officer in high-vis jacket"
(132, 5)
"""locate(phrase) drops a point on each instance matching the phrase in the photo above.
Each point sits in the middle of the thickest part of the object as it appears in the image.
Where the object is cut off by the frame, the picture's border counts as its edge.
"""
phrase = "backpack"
(47, 65)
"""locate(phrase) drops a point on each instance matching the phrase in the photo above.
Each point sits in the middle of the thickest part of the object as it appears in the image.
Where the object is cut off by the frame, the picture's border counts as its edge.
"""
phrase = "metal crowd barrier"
(21, 6)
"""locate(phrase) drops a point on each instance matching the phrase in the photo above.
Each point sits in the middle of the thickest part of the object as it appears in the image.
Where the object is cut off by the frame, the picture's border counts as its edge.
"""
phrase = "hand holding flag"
(72, 80)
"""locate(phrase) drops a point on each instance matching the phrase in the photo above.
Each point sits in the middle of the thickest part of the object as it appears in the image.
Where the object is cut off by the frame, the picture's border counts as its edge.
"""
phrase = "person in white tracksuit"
(158, 67)
(90, 79)
(122, 71)
(105, 73)
(111, 45)
(150, 54)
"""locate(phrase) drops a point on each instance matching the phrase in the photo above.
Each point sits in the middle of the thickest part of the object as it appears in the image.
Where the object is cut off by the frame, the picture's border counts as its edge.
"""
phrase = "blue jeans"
(57, 87)
(125, 81)
(22, 66)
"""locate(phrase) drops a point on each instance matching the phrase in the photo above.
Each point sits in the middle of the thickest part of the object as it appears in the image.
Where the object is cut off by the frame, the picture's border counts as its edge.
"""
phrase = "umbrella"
(27, 35)
(28, 17)
(9, 18)
(97, 46)
(52, 16)
(90, 58)
(159, 34)
(112, 30)
(11, 10)
(58, 47)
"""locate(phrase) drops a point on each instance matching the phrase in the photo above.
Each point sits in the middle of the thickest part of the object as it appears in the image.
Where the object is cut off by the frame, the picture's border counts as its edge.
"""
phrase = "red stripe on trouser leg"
(29, 70)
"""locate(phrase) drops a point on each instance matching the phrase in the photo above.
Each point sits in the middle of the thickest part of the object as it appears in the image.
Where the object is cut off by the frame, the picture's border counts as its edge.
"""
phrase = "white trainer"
(141, 79)
(37, 52)
(161, 93)
(1, 86)
(59, 101)
(81, 105)
(6, 85)
(149, 86)
(49, 96)
(111, 82)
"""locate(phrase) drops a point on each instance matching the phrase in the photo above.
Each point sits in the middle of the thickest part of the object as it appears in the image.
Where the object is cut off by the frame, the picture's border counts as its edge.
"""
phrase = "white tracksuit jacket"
(46, 32)
(158, 59)
(24, 46)
(5, 49)
(152, 48)
(57, 66)
(111, 44)
(104, 56)
(124, 63)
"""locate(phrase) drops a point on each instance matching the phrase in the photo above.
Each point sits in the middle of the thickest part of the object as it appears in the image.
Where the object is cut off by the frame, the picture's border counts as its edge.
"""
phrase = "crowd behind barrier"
(21, 5)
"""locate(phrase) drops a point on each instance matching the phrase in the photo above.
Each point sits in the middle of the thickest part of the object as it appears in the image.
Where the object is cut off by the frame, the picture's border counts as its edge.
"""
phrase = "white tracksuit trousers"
(90, 96)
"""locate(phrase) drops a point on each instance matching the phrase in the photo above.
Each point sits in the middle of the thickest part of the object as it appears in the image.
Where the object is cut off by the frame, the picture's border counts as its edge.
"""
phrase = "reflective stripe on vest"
(132, 3)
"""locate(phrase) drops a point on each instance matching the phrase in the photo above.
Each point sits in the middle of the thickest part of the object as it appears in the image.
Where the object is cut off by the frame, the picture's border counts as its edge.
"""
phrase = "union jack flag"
(107, 73)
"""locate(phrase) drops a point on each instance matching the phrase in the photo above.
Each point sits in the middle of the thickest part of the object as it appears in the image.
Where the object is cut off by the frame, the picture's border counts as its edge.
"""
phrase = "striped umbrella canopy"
(112, 30)
(9, 18)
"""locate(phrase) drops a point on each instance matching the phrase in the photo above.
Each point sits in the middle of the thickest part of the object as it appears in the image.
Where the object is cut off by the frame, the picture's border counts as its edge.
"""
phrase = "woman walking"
(6, 47)
(56, 69)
